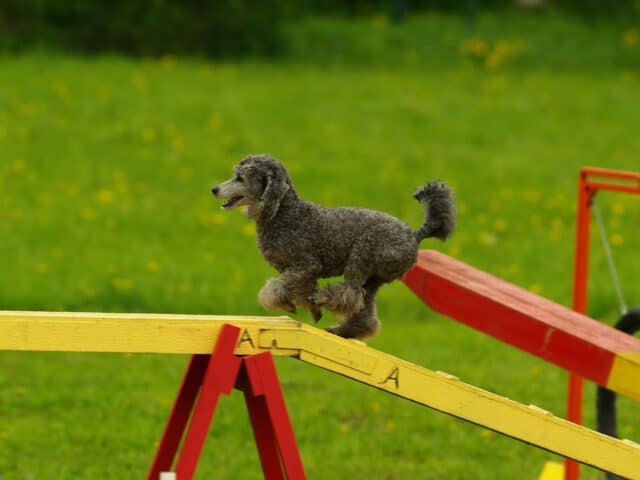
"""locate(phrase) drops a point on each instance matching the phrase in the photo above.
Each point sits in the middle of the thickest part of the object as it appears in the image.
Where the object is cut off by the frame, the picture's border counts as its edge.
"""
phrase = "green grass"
(105, 173)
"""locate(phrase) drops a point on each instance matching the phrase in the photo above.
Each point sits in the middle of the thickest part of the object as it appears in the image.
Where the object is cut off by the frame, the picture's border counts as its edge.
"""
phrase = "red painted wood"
(518, 317)
(264, 436)
(575, 385)
(217, 374)
(219, 378)
(179, 416)
(271, 418)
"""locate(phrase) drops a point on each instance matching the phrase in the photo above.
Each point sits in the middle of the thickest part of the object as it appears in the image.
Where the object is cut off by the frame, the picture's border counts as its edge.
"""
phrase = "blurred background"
(116, 118)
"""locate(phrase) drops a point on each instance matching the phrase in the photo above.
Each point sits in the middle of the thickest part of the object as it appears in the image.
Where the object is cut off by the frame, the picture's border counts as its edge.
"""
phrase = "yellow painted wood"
(96, 332)
(624, 375)
(446, 393)
(128, 332)
(552, 471)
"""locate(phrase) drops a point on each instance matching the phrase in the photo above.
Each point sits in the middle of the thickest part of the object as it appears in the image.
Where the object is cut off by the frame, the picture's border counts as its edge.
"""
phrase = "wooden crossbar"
(281, 336)
(528, 321)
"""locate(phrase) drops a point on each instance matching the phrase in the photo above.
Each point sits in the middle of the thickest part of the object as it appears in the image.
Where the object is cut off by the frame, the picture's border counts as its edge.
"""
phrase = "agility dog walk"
(198, 334)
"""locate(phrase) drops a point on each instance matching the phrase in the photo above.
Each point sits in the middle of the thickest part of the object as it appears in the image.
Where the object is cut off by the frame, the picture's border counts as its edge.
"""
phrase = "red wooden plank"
(518, 317)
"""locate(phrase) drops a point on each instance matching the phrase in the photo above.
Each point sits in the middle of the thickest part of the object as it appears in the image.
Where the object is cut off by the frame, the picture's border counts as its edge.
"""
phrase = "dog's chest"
(297, 237)
(277, 246)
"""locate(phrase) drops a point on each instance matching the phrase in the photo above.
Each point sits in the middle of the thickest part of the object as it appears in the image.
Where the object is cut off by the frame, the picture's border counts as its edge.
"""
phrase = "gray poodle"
(305, 242)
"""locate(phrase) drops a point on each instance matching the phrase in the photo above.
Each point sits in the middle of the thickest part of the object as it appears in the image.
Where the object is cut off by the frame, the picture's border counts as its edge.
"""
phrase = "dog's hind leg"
(364, 323)
(342, 298)
(348, 298)
(303, 293)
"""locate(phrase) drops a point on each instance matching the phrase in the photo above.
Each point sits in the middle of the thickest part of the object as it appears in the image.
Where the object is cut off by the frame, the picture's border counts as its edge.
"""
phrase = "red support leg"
(270, 417)
(214, 375)
(179, 416)
(264, 436)
(219, 378)
(221, 363)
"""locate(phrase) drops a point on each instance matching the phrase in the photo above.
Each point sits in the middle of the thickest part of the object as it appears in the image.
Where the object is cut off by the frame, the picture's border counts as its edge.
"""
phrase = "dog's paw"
(335, 330)
(273, 296)
(353, 330)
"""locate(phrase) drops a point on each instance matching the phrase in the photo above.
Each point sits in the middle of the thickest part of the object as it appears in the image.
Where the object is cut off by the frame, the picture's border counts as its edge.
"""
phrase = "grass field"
(105, 172)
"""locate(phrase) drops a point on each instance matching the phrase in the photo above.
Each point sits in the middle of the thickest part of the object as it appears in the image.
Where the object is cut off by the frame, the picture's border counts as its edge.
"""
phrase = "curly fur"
(305, 241)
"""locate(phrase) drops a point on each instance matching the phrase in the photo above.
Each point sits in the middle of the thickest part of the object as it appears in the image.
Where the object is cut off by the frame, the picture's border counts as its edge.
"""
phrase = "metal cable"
(609, 256)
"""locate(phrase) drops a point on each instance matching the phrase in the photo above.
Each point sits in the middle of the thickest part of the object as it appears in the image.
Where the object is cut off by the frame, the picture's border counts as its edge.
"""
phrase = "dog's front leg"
(293, 287)
(276, 296)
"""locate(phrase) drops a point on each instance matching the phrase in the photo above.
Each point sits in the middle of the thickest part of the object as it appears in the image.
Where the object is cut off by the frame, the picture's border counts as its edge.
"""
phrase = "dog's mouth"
(233, 202)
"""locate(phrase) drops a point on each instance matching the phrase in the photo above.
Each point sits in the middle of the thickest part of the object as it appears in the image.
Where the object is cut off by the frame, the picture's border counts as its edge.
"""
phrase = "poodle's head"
(260, 182)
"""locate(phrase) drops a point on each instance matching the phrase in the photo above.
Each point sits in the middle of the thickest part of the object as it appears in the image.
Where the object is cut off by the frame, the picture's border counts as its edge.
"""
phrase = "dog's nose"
(215, 191)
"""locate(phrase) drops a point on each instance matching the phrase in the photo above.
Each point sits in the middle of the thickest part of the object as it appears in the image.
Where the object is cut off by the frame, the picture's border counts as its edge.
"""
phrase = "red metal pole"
(580, 282)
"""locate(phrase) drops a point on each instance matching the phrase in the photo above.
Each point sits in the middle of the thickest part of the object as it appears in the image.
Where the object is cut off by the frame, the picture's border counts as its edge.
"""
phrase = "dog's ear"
(276, 188)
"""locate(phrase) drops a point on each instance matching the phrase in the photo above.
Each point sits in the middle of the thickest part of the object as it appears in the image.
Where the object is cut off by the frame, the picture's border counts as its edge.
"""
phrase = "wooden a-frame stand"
(211, 376)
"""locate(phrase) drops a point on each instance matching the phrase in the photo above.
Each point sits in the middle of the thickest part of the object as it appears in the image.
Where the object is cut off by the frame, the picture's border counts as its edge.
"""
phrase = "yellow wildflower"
(87, 213)
(410, 57)
(148, 134)
(121, 283)
(631, 37)
(618, 208)
(18, 166)
(249, 229)
(557, 224)
(474, 47)
(380, 22)
(536, 288)
(138, 81)
(617, 239)
(105, 196)
(535, 220)
(153, 266)
(487, 239)
(215, 121)
(168, 61)
(177, 144)
(532, 196)
(500, 225)
(487, 434)
(61, 91)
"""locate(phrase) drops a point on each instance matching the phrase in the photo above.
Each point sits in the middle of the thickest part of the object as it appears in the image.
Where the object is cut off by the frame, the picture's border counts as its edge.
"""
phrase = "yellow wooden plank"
(624, 375)
(99, 332)
(446, 393)
(339, 351)
(130, 332)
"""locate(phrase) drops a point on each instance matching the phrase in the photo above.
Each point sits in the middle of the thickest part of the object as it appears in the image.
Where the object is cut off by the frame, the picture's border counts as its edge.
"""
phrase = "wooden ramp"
(96, 332)
(530, 322)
